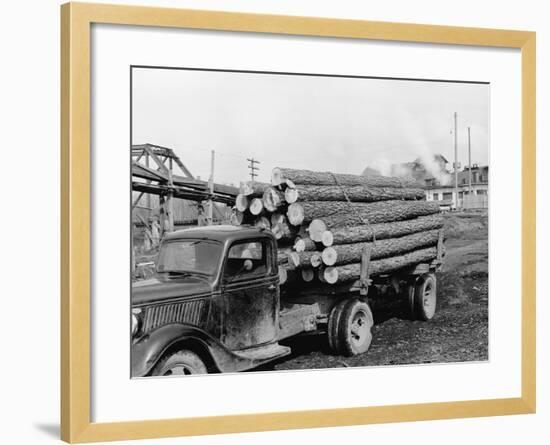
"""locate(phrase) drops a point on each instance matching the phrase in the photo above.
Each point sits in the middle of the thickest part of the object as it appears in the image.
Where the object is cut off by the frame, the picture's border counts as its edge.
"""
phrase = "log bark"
(342, 213)
(308, 177)
(351, 253)
(356, 193)
(352, 272)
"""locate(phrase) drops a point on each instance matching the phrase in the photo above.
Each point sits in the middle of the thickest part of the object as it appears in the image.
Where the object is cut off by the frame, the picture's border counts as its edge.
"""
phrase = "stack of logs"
(324, 222)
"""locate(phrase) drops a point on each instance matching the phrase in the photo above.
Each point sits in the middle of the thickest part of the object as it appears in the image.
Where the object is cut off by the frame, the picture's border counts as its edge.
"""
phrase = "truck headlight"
(136, 323)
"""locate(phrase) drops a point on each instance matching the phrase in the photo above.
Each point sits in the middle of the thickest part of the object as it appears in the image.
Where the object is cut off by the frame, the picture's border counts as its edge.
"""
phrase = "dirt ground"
(459, 330)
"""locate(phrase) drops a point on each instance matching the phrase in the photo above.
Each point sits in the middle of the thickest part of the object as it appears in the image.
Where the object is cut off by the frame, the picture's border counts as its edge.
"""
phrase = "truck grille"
(192, 312)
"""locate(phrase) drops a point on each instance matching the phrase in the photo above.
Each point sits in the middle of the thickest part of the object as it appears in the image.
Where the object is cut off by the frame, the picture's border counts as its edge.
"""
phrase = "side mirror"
(247, 265)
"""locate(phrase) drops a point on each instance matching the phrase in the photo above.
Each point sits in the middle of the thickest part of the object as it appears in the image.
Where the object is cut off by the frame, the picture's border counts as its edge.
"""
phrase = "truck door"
(251, 295)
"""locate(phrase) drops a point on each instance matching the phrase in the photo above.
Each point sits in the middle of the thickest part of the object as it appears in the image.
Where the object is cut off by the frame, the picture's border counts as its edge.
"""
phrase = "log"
(237, 217)
(272, 199)
(282, 231)
(295, 214)
(263, 223)
(283, 275)
(304, 244)
(363, 233)
(306, 259)
(241, 202)
(316, 229)
(293, 259)
(327, 238)
(351, 253)
(328, 275)
(307, 275)
(254, 188)
(330, 256)
(277, 218)
(356, 193)
(308, 177)
(342, 213)
(352, 272)
(291, 195)
(256, 206)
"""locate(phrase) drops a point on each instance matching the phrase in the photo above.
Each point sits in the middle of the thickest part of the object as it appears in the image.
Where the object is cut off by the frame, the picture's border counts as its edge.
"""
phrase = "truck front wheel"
(349, 327)
(182, 362)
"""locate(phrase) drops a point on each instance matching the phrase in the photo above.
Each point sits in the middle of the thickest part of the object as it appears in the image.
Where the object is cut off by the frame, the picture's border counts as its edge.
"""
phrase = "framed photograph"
(275, 222)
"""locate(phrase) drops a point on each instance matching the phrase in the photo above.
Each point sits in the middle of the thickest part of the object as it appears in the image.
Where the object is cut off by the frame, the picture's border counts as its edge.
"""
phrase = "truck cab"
(212, 306)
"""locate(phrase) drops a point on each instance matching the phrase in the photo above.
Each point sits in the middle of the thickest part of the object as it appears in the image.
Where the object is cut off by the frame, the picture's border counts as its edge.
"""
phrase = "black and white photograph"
(299, 221)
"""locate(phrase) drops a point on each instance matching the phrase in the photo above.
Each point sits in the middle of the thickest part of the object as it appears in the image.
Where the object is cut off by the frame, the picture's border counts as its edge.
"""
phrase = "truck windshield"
(189, 256)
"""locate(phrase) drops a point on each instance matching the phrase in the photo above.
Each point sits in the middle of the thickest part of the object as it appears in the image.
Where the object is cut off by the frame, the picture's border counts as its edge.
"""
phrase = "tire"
(425, 297)
(349, 328)
(180, 363)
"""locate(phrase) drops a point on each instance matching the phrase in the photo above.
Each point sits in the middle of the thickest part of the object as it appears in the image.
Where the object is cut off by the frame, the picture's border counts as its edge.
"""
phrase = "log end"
(308, 275)
(276, 176)
(241, 202)
(300, 245)
(327, 238)
(295, 214)
(316, 229)
(294, 259)
(330, 275)
(315, 260)
(291, 195)
(262, 223)
(256, 206)
(329, 256)
(283, 275)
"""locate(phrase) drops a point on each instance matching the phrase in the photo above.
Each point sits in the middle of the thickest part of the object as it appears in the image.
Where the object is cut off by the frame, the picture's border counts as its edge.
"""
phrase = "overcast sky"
(319, 123)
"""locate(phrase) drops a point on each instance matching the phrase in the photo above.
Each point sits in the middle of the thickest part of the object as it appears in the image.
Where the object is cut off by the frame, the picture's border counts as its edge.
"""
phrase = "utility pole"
(469, 167)
(253, 168)
(210, 213)
(456, 163)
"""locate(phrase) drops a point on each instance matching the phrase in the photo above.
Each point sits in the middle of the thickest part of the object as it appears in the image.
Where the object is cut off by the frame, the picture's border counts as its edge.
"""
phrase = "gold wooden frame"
(76, 20)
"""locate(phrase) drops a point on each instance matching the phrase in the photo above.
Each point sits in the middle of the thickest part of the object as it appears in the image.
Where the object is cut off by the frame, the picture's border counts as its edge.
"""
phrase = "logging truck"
(216, 303)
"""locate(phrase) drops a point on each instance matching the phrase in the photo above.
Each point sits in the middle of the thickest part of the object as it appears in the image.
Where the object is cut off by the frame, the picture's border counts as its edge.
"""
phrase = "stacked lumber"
(324, 222)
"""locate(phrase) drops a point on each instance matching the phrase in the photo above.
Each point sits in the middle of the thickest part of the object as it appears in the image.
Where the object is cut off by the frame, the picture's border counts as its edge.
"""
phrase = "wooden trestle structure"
(153, 173)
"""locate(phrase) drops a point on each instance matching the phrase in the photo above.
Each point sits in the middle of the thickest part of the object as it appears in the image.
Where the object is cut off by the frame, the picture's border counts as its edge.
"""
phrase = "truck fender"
(147, 350)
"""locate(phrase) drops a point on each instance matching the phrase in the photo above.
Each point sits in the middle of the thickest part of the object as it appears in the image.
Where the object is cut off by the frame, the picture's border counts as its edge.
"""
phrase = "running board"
(263, 354)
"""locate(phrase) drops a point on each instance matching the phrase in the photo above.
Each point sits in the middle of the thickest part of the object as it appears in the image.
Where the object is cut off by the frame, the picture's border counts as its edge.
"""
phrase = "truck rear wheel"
(423, 297)
(182, 363)
(349, 327)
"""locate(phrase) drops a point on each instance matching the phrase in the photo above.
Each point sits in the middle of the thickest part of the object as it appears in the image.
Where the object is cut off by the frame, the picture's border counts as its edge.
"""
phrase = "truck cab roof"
(221, 233)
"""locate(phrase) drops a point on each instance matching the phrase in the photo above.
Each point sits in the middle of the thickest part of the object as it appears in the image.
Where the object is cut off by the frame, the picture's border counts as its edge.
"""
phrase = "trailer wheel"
(349, 328)
(423, 297)
(182, 363)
